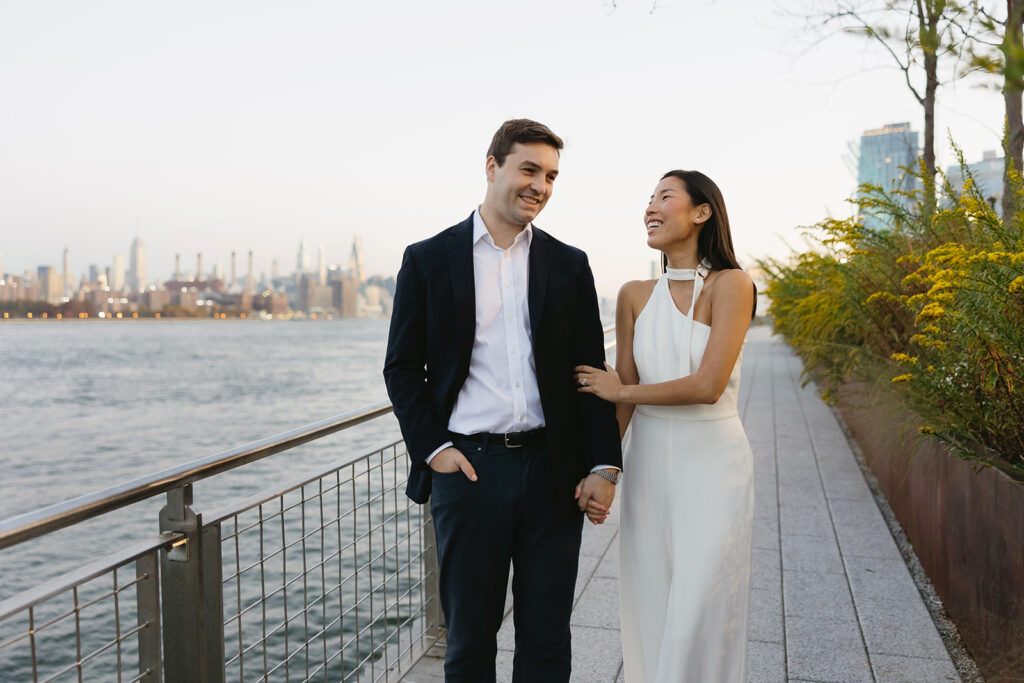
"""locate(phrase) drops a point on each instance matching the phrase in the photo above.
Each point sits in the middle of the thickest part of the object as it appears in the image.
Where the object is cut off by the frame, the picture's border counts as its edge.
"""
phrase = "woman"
(688, 482)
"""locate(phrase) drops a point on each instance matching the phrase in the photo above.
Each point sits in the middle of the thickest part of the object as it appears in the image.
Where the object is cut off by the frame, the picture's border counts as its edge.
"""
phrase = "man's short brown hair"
(522, 131)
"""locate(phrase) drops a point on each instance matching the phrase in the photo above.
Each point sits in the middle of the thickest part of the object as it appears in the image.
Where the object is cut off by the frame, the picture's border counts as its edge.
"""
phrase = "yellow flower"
(876, 296)
(904, 358)
(1017, 285)
(902, 378)
(931, 311)
(926, 430)
(931, 368)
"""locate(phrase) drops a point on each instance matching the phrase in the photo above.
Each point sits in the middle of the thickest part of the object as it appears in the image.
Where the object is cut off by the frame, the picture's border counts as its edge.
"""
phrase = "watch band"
(612, 476)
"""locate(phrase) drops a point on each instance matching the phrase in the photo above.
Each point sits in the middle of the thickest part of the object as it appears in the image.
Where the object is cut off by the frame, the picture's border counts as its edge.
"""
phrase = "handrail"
(78, 576)
(29, 525)
(39, 522)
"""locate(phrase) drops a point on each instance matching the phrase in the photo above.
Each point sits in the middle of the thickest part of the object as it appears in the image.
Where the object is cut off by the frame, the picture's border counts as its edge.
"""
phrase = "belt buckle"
(512, 445)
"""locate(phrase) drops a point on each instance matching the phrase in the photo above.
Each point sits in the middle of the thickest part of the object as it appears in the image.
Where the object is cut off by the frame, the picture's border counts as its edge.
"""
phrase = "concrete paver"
(832, 599)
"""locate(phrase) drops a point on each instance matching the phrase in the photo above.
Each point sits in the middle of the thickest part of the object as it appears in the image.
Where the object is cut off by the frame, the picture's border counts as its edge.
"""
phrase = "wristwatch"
(610, 475)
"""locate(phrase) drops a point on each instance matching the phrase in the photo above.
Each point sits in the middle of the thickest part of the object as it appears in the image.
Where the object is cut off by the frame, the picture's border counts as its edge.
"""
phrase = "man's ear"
(490, 168)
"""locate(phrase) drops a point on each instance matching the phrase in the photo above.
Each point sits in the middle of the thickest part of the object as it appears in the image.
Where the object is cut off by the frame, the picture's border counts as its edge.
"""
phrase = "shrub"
(932, 308)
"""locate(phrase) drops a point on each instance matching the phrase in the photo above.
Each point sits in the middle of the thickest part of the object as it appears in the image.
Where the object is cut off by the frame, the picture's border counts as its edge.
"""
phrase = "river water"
(87, 404)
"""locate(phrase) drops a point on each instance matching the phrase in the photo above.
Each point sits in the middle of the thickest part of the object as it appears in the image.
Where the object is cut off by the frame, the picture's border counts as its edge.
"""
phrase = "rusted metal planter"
(967, 528)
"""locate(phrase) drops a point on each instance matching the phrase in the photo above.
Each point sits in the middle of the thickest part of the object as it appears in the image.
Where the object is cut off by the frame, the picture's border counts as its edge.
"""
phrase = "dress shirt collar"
(480, 231)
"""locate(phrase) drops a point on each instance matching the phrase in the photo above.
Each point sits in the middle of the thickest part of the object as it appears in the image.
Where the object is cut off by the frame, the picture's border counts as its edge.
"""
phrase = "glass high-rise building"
(885, 154)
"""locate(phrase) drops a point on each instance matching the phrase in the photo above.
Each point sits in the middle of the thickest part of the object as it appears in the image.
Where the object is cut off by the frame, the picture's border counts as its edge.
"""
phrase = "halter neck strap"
(697, 275)
(700, 271)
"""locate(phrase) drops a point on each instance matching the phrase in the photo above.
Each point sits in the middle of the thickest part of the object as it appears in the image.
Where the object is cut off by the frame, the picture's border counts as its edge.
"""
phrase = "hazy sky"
(215, 126)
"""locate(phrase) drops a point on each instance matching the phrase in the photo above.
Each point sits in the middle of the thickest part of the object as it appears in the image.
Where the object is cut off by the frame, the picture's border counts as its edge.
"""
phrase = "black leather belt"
(508, 439)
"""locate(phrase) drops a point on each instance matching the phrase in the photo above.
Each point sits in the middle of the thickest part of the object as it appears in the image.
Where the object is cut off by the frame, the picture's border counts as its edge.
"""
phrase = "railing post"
(147, 593)
(432, 571)
(193, 605)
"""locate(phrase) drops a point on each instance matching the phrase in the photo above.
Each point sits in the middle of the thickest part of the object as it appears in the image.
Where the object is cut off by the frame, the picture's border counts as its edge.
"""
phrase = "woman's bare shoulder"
(635, 288)
(636, 291)
(734, 279)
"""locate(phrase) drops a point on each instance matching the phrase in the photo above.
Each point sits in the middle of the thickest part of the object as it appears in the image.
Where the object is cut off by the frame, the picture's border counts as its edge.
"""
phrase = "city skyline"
(139, 254)
(326, 289)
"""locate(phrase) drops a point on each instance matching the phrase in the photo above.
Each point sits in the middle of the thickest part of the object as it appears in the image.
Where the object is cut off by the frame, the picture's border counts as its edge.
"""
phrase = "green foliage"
(933, 309)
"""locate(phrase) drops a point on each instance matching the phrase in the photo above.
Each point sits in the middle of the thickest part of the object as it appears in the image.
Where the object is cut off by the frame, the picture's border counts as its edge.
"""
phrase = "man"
(490, 317)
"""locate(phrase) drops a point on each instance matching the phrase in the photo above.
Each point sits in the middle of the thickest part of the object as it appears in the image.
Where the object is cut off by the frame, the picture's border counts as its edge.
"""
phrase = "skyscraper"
(355, 261)
(117, 273)
(321, 264)
(69, 280)
(50, 283)
(137, 260)
(249, 285)
(885, 155)
(302, 262)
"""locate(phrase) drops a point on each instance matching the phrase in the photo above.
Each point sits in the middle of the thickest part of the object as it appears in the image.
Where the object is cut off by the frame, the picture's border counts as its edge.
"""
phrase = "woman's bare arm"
(732, 300)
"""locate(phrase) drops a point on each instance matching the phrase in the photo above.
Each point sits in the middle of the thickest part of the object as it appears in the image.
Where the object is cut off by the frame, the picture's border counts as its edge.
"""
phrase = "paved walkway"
(832, 599)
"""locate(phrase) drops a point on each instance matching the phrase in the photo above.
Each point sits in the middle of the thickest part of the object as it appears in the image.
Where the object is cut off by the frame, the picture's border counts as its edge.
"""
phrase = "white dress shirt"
(500, 393)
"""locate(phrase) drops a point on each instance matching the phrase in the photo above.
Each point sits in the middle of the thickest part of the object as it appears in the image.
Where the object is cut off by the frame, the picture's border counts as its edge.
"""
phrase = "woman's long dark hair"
(715, 240)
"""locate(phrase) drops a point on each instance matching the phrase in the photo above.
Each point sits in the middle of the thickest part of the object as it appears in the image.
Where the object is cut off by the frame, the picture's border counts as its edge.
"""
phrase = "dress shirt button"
(522, 418)
(506, 254)
(510, 317)
(506, 285)
(517, 385)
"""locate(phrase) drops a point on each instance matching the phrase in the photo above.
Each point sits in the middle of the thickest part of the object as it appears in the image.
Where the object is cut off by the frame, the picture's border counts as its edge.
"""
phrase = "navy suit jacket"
(433, 324)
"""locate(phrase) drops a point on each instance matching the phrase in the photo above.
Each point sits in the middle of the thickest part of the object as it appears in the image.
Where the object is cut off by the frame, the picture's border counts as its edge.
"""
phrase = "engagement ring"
(583, 382)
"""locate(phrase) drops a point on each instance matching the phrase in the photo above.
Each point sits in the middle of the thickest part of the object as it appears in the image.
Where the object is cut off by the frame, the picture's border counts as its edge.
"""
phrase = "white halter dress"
(687, 513)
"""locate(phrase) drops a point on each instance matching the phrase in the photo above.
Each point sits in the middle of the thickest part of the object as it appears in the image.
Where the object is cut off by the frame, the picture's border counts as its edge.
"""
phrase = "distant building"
(50, 285)
(137, 265)
(156, 299)
(302, 261)
(116, 278)
(321, 263)
(355, 261)
(885, 154)
(314, 297)
(69, 279)
(345, 297)
(988, 178)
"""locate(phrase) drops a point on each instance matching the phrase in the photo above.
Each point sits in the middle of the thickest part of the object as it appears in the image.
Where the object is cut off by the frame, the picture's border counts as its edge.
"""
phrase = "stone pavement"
(832, 599)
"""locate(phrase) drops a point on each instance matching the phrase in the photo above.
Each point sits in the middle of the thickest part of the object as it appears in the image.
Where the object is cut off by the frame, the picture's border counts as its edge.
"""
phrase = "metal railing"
(331, 576)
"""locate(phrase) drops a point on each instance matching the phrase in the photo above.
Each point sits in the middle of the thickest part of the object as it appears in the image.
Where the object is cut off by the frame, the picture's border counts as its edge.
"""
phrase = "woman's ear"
(703, 214)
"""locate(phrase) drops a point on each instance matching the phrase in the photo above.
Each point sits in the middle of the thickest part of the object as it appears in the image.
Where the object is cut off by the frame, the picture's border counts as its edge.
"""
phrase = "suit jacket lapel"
(460, 265)
(540, 254)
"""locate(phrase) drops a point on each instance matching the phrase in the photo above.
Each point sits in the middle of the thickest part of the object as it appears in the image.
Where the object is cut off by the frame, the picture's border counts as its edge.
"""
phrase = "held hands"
(452, 460)
(594, 496)
(605, 383)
